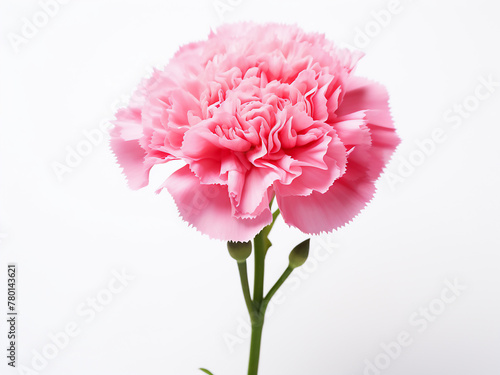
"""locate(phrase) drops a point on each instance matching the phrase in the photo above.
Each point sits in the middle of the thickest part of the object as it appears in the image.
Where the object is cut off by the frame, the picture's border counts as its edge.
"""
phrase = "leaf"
(206, 371)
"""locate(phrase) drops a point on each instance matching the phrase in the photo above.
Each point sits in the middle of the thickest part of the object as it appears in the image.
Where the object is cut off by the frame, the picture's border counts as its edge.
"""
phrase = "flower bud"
(239, 251)
(298, 255)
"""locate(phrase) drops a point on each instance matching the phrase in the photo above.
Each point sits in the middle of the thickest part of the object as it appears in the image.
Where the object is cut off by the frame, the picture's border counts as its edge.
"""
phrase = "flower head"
(256, 112)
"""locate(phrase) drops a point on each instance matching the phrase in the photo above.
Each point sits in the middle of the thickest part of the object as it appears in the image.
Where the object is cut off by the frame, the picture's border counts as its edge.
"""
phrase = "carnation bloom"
(256, 112)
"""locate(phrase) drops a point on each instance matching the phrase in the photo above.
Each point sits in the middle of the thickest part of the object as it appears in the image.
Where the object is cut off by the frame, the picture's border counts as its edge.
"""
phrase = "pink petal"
(372, 98)
(208, 208)
(325, 212)
(321, 164)
(350, 193)
(130, 156)
(128, 124)
(248, 191)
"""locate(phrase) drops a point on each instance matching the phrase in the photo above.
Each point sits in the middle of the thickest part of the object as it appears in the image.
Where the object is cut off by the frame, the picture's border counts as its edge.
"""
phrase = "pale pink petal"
(350, 193)
(130, 156)
(372, 98)
(318, 212)
(325, 162)
(128, 124)
(257, 111)
(250, 191)
(207, 208)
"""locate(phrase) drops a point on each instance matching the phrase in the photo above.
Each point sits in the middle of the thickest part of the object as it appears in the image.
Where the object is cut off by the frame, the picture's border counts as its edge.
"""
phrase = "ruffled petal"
(373, 99)
(318, 212)
(208, 208)
(257, 111)
(365, 126)
(249, 191)
(321, 164)
(130, 156)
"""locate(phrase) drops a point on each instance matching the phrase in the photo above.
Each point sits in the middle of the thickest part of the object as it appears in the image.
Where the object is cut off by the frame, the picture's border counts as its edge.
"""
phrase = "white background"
(184, 308)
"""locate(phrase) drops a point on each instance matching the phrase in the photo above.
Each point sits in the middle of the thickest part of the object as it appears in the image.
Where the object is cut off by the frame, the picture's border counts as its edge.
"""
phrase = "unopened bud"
(239, 251)
(299, 254)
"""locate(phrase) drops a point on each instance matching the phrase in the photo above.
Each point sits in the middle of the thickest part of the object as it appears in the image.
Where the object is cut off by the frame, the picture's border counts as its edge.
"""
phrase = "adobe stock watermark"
(319, 254)
(199, 200)
(223, 6)
(91, 139)
(454, 118)
(379, 21)
(418, 322)
(86, 312)
(31, 26)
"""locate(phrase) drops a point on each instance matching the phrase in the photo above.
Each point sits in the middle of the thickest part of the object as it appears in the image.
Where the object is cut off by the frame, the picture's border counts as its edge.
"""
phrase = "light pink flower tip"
(258, 111)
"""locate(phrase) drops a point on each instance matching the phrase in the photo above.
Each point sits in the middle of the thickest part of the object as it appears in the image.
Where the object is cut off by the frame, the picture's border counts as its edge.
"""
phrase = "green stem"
(260, 261)
(253, 365)
(275, 288)
(261, 245)
(259, 304)
(275, 216)
(242, 268)
(258, 324)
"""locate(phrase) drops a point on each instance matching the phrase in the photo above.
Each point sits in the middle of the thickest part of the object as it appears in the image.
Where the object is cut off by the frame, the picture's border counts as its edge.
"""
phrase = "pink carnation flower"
(256, 112)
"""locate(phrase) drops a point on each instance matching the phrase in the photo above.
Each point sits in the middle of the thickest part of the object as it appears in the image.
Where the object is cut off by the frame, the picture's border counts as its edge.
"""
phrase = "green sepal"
(239, 251)
(299, 254)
